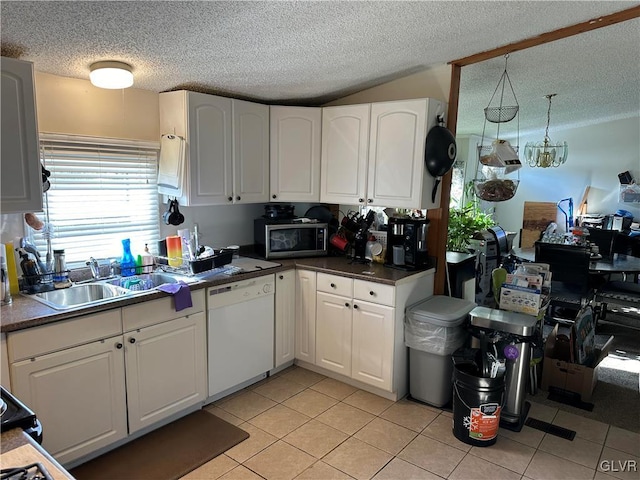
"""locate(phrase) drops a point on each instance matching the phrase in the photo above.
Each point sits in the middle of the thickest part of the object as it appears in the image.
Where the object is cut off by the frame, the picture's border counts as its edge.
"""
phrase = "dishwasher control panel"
(240, 291)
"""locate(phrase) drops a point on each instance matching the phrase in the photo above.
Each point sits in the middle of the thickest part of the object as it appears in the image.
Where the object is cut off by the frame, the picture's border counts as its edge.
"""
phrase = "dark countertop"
(26, 312)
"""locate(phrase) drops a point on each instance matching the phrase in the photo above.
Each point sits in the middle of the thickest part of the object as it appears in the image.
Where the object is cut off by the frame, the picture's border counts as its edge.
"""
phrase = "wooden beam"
(552, 36)
(439, 218)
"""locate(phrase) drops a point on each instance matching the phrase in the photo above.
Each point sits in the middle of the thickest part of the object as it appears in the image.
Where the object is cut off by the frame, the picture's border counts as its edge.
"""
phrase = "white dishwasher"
(240, 330)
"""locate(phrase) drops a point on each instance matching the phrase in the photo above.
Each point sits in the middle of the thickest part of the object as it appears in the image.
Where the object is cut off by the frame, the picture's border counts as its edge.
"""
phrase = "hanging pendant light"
(546, 153)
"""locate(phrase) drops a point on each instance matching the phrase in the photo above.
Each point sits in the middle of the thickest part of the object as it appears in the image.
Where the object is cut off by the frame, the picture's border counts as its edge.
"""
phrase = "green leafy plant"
(465, 221)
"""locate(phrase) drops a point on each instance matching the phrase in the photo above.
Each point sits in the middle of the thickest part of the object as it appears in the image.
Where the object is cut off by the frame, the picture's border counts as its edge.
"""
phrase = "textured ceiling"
(313, 52)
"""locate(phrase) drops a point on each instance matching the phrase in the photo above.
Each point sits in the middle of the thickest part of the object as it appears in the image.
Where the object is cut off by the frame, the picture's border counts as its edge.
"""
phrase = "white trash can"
(433, 331)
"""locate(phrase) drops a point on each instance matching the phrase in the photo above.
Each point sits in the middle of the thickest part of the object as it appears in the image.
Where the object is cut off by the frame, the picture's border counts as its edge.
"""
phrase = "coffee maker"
(411, 235)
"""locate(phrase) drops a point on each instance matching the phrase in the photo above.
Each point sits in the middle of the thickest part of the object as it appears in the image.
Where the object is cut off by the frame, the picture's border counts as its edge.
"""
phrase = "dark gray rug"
(168, 453)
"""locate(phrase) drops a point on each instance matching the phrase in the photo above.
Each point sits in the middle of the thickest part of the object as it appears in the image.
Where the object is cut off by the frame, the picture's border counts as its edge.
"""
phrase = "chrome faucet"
(95, 268)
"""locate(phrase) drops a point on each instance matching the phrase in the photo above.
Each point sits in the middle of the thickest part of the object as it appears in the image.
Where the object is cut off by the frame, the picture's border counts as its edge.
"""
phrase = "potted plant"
(465, 221)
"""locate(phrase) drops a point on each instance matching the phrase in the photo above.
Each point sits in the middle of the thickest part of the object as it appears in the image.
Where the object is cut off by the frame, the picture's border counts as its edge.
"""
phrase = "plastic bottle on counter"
(59, 267)
(12, 269)
(127, 262)
(5, 289)
(174, 250)
(147, 260)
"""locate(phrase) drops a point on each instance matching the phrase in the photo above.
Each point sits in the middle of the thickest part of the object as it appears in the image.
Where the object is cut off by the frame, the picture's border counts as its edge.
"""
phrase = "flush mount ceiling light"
(546, 153)
(111, 75)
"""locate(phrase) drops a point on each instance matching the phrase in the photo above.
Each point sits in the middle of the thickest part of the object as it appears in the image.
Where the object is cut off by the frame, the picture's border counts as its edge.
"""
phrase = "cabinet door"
(285, 313)
(306, 315)
(20, 167)
(209, 137)
(333, 333)
(78, 395)
(250, 152)
(166, 369)
(345, 144)
(396, 153)
(295, 154)
(372, 345)
(5, 378)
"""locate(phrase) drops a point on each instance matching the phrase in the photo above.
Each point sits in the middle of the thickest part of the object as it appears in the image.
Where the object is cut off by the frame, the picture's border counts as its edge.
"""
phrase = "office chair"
(570, 282)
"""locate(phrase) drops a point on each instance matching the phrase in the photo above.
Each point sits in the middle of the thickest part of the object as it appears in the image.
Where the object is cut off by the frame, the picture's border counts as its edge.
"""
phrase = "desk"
(618, 263)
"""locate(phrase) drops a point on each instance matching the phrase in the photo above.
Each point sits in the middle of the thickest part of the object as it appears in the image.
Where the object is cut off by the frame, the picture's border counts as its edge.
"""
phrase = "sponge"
(33, 221)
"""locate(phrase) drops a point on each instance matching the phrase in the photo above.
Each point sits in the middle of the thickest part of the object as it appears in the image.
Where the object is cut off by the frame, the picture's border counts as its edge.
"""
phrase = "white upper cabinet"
(250, 152)
(227, 147)
(374, 154)
(21, 183)
(295, 154)
(345, 149)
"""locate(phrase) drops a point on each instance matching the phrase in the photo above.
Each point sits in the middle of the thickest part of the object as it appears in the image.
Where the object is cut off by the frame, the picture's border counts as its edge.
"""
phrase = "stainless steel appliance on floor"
(490, 246)
(240, 330)
(511, 334)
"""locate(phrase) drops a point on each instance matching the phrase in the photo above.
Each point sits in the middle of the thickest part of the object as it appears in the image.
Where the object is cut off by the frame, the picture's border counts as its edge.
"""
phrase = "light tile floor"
(304, 425)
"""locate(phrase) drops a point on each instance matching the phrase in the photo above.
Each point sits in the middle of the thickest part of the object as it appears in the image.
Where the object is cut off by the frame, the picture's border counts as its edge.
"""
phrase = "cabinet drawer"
(158, 311)
(36, 341)
(335, 284)
(374, 292)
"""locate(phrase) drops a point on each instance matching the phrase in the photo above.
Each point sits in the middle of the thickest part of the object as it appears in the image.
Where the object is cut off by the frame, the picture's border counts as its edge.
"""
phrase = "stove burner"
(17, 415)
(34, 471)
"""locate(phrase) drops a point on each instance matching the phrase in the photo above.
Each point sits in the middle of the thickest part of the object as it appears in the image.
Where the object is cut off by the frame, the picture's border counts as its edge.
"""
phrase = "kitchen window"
(102, 191)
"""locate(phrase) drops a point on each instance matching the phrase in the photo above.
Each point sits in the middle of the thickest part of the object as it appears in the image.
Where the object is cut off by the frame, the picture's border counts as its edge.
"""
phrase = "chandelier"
(546, 153)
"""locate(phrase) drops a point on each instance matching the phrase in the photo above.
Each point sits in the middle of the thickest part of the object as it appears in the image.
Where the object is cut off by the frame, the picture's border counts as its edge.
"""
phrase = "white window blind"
(102, 191)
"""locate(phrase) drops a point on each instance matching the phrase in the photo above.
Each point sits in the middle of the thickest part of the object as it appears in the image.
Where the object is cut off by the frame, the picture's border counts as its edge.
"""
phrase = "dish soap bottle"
(127, 263)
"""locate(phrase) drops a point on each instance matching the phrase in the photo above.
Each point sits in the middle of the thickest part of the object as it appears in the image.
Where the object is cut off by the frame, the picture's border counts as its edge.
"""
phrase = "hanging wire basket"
(498, 160)
(502, 113)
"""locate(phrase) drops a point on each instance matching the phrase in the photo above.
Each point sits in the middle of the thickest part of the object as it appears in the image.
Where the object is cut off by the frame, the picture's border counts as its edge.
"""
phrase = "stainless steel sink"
(148, 281)
(81, 295)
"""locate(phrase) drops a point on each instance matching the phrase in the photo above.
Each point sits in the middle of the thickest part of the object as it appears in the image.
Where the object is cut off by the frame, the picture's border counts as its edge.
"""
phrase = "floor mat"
(568, 398)
(549, 428)
(167, 453)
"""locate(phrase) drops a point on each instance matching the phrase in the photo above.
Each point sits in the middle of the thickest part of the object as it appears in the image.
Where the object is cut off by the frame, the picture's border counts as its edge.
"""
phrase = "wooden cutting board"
(535, 219)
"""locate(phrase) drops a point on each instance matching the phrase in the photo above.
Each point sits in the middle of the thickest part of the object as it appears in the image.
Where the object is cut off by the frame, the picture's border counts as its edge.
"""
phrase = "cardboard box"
(558, 371)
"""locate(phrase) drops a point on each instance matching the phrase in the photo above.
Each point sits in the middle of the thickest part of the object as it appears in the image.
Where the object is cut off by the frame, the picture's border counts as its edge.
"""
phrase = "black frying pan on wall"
(439, 153)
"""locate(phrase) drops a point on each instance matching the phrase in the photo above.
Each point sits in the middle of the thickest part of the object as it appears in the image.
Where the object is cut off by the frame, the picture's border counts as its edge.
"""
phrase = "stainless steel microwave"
(289, 239)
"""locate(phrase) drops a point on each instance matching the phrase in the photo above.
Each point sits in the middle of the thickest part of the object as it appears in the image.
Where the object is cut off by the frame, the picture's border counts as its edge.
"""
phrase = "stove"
(33, 471)
(15, 414)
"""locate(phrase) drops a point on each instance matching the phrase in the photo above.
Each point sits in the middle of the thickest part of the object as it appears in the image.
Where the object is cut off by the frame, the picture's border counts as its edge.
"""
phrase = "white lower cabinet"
(92, 385)
(78, 391)
(333, 332)
(166, 369)
(305, 343)
(372, 344)
(355, 337)
(285, 317)
(78, 395)
(359, 330)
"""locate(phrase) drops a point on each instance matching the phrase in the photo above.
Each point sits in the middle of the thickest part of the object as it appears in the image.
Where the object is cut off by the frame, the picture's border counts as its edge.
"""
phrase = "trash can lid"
(441, 310)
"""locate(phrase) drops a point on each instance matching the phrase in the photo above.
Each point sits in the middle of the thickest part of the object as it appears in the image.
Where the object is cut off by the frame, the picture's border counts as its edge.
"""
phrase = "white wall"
(597, 153)
(432, 83)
